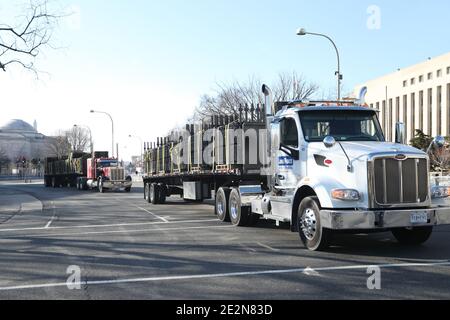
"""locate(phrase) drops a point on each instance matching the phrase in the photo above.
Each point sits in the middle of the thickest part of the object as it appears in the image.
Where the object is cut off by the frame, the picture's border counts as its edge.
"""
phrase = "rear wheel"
(239, 215)
(146, 191)
(221, 208)
(153, 193)
(162, 193)
(414, 236)
(313, 236)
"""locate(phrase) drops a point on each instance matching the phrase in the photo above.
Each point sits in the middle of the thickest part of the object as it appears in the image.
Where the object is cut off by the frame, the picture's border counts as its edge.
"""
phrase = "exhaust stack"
(268, 101)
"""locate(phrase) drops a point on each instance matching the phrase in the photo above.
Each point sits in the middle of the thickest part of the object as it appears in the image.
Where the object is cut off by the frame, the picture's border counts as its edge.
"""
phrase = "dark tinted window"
(289, 132)
(342, 125)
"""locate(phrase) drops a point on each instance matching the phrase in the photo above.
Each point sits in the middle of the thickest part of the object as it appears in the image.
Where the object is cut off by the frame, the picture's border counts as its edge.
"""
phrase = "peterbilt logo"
(401, 157)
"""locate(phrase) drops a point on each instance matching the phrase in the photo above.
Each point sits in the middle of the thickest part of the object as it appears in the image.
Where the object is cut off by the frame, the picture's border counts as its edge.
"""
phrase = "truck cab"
(332, 170)
(107, 174)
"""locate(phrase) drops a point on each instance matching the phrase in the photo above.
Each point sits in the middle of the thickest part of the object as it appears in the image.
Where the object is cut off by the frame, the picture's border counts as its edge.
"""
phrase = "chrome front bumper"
(115, 185)
(372, 220)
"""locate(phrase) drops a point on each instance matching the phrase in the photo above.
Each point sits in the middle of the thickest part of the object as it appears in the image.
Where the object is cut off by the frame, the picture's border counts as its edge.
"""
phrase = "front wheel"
(413, 236)
(101, 189)
(313, 236)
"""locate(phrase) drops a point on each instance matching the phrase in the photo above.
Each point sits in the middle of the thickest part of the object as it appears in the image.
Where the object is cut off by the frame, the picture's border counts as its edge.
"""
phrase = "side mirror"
(329, 142)
(400, 133)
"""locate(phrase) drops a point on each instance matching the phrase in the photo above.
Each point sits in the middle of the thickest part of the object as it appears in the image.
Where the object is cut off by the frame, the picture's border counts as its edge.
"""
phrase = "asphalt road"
(125, 248)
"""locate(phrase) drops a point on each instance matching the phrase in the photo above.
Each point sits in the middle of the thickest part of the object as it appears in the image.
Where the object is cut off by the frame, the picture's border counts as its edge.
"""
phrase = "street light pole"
(112, 127)
(302, 32)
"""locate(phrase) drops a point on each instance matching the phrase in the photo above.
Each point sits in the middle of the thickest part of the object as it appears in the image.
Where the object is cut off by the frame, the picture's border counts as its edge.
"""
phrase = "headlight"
(345, 194)
(440, 192)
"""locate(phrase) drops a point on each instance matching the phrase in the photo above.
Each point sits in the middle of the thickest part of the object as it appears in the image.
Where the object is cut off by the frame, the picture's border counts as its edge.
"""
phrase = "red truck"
(84, 172)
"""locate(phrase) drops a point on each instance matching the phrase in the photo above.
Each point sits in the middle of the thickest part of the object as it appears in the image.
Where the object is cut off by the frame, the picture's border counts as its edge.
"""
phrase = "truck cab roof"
(290, 109)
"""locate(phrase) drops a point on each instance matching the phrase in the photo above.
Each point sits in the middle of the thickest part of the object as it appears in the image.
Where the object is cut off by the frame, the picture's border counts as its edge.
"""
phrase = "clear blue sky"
(138, 57)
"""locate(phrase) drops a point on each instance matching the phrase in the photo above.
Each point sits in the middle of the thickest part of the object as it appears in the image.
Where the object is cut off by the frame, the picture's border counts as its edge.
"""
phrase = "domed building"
(19, 139)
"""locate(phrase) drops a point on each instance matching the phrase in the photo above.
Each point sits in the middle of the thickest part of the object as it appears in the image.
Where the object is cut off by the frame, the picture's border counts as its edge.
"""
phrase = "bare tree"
(441, 158)
(229, 97)
(22, 43)
(59, 145)
(79, 139)
(293, 87)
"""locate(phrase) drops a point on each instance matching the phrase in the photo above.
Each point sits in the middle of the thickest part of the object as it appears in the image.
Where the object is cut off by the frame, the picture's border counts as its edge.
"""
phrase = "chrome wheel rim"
(234, 209)
(308, 224)
(220, 207)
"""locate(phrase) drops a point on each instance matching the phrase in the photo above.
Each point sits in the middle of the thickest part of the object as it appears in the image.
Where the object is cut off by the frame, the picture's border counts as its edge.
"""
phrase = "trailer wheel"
(84, 185)
(145, 191)
(414, 236)
(221, 208)
(313, 236)
(153, 193)
(239, 215)
(162, 193)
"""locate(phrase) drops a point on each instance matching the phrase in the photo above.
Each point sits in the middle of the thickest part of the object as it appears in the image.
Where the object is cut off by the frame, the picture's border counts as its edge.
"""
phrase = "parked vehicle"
(326, 168)
(84, 172)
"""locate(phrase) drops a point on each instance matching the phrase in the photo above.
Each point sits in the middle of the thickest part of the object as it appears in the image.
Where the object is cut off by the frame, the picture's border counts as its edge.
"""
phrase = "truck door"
(288, 160)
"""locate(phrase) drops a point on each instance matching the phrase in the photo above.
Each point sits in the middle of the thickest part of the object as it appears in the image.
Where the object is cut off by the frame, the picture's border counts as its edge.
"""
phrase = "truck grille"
(117, 174)
(399, 182)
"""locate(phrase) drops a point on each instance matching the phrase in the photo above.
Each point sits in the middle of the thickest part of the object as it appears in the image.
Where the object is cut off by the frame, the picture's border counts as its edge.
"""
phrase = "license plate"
(419, 218)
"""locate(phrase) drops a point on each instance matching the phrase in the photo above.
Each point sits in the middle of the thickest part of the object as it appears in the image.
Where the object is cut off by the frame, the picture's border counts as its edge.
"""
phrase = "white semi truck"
(331, 170)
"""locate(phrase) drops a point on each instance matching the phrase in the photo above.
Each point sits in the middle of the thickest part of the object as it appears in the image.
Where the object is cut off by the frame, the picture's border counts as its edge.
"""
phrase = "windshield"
(342, 125)
(107, 163)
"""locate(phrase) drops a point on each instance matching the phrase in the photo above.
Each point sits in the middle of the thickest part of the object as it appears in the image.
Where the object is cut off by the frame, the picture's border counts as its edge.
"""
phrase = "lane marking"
(311, 272)
(108, 225)
(119, 231)
(221, 275)
(53, 217)
(155, 215)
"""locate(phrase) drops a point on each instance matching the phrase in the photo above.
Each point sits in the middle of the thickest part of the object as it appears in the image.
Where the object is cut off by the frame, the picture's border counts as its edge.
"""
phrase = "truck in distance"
(326, 167)
(86, 171)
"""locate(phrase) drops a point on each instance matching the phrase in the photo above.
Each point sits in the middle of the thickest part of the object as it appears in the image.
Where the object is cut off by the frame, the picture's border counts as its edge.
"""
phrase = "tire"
(162, 193)
(221, 207)
(153, 193)
(414, 236)
(146, 191)
(239, 215)
(101, 189)
(313, 236)
(129, 188)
